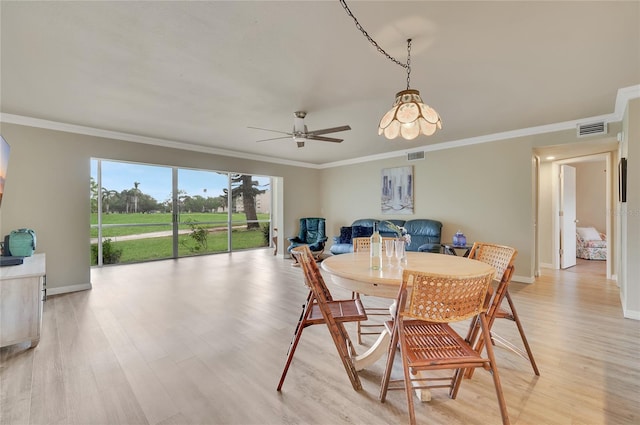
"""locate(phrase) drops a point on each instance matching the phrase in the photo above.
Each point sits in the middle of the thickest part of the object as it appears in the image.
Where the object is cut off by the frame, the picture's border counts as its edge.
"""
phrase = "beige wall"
(483, 190)
(591, 185)
(48, 190)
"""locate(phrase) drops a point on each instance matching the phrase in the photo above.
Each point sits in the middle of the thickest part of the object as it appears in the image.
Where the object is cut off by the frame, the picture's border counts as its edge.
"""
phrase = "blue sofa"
(425, 234)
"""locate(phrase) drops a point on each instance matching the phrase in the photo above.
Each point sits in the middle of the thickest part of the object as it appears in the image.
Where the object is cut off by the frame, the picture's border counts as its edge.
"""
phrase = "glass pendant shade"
(409, 117)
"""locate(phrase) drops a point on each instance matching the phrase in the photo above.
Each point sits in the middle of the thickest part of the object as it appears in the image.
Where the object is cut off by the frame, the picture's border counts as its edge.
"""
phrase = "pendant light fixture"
(409, 117)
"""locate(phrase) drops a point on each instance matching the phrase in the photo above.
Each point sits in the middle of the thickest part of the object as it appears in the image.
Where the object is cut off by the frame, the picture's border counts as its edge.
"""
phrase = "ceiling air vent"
(592, 129)
(413, 156)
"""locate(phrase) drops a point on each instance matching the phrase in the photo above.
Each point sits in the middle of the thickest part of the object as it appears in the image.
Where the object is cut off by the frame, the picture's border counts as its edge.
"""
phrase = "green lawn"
(138, 250)
(147, 223)
(153, 248)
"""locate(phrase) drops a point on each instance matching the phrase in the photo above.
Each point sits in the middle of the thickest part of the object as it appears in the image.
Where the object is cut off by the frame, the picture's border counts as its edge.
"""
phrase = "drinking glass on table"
(388, 249)
(399, 243)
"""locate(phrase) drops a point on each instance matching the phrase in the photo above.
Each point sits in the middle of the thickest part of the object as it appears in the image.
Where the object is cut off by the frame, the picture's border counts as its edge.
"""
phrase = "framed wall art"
(397, 190)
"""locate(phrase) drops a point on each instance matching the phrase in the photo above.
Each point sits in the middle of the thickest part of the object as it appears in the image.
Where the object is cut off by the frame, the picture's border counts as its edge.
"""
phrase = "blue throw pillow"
(361, 231)
(345, 235)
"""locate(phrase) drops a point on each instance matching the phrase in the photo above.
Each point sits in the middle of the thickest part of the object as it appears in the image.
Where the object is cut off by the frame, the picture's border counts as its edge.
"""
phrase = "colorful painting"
(397, 190)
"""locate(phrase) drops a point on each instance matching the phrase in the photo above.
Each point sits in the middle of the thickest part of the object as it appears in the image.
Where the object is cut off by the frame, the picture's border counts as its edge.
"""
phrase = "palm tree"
(136, 191)
(244, 186)
(106, 197)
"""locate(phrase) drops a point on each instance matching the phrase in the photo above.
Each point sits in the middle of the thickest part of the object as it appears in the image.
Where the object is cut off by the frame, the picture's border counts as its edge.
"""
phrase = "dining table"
(353, 272)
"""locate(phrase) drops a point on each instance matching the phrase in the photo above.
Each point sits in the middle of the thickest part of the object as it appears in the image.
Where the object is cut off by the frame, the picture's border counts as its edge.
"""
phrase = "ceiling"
(200, 73)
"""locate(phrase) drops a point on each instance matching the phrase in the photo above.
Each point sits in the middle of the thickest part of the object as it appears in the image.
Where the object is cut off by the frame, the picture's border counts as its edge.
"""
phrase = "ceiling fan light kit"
(409, 117)
(300, 134)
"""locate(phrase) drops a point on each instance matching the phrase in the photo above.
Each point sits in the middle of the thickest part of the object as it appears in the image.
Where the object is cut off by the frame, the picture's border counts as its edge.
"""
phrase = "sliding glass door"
(144, 212)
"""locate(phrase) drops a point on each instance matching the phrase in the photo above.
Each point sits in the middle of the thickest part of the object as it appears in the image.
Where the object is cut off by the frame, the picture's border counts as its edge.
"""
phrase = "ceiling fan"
(300, 133)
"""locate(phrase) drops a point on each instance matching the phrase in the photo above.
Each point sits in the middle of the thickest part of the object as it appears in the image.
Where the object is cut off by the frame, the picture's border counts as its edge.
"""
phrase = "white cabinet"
(22, 292)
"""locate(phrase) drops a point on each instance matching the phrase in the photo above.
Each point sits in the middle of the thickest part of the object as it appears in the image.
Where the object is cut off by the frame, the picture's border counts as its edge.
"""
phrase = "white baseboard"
(632, 314)
(523, 279)
(546, 265)
(66, 289)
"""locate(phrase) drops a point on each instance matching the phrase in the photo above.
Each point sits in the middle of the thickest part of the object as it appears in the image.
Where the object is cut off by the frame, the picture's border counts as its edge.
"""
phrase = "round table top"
(351, 271)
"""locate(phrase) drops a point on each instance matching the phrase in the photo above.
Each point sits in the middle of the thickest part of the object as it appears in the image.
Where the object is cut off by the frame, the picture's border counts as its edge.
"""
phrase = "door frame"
(555, 196)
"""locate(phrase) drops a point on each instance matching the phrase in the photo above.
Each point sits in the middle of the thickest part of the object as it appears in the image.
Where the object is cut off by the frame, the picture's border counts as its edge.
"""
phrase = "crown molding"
(623, 97)
(109, 134)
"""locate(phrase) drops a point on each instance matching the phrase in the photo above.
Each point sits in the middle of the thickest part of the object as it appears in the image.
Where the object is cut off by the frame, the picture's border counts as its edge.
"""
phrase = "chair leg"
(342, 341)
(384, 385)
(494, 371)
(408, 387)
(306, 310)
(516, 319)
(356, 296)
(527, 354)
(475, 342)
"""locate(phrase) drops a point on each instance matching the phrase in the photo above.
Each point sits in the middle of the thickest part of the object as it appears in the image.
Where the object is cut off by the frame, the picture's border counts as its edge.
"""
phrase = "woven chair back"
(500, 257)
(444, 298)
(312, 276)
(362, 244)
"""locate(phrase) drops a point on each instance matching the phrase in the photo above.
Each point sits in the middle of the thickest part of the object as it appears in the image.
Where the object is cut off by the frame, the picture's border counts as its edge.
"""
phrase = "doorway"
(549, 227)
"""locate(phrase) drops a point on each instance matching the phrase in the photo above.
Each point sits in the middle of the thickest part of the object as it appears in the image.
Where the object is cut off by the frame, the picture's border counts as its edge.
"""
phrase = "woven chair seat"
(429, 342)
(341, 310)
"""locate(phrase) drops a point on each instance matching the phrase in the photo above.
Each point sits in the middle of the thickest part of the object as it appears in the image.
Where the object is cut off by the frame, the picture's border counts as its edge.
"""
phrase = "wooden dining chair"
(427, 342)
(320, 307)
(362, 244)
(501, 258)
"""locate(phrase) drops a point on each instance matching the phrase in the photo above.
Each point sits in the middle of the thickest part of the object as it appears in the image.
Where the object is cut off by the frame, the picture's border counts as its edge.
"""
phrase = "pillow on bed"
(589, 233)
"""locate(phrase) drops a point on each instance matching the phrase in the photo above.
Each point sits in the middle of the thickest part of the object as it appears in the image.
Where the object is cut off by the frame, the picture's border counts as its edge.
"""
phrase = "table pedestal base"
(373, 354)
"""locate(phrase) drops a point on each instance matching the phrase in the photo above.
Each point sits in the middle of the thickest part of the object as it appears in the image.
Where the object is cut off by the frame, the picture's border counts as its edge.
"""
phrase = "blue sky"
(156, 180)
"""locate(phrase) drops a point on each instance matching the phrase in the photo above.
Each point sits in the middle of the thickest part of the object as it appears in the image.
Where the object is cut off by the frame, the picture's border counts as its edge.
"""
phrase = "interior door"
(567, 216)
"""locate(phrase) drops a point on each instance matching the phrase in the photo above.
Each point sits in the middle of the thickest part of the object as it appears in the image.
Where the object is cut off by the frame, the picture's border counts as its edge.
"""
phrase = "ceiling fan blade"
(323, 139)
(273, 138)
(329, 130)
(274, 131)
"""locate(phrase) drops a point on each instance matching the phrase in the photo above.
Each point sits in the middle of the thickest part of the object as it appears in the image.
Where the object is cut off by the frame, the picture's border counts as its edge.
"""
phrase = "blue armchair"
(312, 233)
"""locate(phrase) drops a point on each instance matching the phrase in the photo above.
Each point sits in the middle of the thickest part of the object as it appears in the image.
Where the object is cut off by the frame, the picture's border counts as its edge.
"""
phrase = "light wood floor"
(203, 341)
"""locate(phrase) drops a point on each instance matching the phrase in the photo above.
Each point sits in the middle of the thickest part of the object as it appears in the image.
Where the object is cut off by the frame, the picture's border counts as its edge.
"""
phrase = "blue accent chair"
(312, 233)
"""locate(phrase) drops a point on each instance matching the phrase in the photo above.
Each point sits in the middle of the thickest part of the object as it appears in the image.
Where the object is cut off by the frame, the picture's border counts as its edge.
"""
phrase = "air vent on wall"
(592, 129)
(412, 156)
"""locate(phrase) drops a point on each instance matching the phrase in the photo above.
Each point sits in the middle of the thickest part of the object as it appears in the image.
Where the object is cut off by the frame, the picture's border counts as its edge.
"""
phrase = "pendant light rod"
(371, 40)
(409, 117)
(408, 62)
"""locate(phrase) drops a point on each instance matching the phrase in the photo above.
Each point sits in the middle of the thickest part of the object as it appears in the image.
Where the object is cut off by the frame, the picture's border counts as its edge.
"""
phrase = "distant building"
(263, 203)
